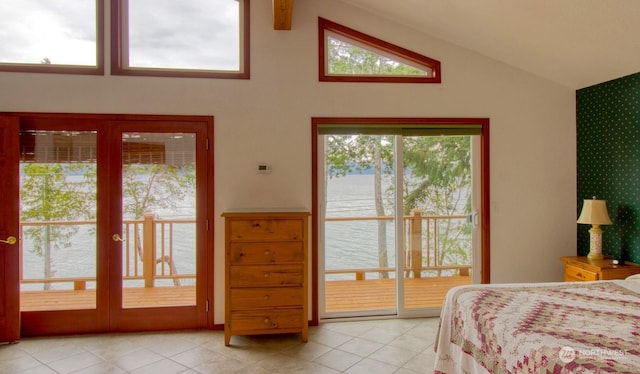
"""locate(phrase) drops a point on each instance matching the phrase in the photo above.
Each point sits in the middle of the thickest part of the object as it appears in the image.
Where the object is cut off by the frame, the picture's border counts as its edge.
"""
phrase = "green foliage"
(355, 153)
(47, 195)
(344, 58)
(437, 180)
(441, 174)
(147, 187)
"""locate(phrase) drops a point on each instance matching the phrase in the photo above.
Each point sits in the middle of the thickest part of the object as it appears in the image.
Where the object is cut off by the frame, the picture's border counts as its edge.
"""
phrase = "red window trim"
(119, 63)
(485, 198)
(326, 25)
(98, 69)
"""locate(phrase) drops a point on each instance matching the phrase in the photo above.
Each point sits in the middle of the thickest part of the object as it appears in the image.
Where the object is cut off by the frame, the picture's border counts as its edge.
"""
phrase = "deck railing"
(146, 243)
(422, 246)
(150, 241)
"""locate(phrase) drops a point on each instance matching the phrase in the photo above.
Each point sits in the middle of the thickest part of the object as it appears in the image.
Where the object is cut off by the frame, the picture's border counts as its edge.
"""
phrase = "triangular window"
(347, 55)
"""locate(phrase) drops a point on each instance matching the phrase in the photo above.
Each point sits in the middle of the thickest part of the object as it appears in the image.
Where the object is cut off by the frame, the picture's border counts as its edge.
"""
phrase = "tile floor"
(402, 346)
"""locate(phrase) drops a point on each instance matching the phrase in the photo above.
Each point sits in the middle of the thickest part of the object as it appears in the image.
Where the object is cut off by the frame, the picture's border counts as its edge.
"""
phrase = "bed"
(575, 327)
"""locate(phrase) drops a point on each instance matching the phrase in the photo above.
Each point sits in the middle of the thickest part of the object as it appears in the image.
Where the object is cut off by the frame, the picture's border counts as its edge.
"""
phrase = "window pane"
(58, 220)
(350, 59)
(348, 55)
(60, 32)
(159, 219)
(185, 34)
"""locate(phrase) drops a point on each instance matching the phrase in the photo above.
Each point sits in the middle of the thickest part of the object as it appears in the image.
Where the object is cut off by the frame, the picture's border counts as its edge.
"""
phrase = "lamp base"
(595, 247)
(595, 256)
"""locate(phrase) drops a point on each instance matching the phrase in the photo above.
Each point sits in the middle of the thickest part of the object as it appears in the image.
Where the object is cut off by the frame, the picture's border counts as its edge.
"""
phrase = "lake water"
(347, 244)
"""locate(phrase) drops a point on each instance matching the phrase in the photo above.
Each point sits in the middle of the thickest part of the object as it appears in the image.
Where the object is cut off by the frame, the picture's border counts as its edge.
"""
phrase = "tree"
(151, 186)
(148, 187)
(346, 154)
(440, 165)
(344, 58)
(47, 195)
(441, 185)
(438, 183)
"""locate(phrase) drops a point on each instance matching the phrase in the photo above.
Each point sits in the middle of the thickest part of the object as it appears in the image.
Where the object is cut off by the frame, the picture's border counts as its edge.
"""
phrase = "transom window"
(186, 38)
(61, 36)
(347, 55)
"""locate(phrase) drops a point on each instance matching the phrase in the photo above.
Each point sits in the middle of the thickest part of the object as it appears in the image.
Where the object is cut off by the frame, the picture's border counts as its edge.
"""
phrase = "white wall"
(268, 118)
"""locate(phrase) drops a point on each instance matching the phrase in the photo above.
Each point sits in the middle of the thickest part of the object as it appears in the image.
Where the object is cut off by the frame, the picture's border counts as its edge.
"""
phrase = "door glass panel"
(159, 219)
(58, 223)
(359, 227)
(437, 194)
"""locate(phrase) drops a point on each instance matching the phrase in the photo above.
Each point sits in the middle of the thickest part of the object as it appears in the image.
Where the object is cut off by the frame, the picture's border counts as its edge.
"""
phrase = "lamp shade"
(594, 212)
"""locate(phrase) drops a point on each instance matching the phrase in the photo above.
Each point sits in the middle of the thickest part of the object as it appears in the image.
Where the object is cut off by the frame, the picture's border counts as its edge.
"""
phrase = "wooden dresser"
(581, 268)
(266, 273)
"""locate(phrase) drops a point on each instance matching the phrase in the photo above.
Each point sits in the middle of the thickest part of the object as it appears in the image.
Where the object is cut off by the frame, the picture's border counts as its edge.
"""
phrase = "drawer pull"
(266, 275)
(267, 252)
(579, 275)
(267, 297)
(267, 321)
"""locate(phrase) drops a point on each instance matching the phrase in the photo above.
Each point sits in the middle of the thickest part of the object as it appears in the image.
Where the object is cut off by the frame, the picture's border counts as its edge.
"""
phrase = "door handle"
(10, 240)
(117, 238)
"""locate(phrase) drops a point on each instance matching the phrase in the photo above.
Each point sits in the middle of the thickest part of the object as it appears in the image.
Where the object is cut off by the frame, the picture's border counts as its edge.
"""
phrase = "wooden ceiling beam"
(282, 14)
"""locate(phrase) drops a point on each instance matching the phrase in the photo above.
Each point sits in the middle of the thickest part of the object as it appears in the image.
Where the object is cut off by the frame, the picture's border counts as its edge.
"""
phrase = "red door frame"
(108, 316)
(9, 226)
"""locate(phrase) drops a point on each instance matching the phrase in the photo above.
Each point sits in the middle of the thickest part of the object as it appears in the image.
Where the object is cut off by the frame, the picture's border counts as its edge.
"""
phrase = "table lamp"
(594, 213)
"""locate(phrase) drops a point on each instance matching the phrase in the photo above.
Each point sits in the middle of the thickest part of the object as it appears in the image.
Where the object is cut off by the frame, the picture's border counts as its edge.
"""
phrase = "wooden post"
(415, 242)
(79, 285)
(148, 250)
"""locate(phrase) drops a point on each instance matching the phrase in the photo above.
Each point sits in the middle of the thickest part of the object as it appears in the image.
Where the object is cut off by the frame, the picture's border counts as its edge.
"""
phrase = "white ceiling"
(576, 43)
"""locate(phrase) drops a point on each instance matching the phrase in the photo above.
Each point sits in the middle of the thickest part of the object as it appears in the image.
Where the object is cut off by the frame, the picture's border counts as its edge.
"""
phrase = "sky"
(189, 34)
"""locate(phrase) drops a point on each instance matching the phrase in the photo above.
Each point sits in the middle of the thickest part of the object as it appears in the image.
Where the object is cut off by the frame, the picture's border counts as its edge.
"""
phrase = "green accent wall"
(608, 162)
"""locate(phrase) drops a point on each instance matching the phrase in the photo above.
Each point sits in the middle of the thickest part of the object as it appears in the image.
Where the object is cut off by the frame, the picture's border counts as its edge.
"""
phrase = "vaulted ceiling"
(576, 43)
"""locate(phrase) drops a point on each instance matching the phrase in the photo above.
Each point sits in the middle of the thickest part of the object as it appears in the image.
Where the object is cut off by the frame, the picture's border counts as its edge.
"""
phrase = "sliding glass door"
(398, 217)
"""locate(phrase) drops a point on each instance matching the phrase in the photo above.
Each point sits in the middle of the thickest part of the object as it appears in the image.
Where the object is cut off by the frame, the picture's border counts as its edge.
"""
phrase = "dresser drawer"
(246, 253)
(266, 229)
(259, 321)
(265, 275)
(252, 298)
(574, 273)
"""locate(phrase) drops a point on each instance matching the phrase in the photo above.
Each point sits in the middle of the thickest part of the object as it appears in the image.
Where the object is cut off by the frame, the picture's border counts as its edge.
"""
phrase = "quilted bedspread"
(581, 327)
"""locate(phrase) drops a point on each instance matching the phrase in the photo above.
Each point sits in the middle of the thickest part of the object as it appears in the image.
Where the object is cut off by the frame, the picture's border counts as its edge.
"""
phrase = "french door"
(113, 223)
(400, 214)
(9, 232)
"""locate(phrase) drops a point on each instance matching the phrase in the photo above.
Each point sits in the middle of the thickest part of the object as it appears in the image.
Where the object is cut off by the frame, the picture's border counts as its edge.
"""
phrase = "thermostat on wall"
(263, 168)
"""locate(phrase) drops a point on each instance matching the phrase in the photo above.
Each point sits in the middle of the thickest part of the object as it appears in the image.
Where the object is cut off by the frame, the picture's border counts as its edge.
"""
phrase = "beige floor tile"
(393, 355)
(164, 366)
(399, 346)
(360, 347)
(338, 360)
(369, 366)
(74, 362)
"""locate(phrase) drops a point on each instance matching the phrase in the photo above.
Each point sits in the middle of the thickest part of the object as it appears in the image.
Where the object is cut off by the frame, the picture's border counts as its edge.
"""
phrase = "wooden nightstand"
(580, 268)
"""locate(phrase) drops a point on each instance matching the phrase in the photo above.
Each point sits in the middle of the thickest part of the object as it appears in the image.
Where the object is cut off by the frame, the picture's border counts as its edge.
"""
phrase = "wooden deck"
(368, 294)
(86, 299)
(344, 295)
